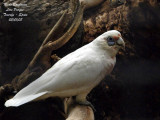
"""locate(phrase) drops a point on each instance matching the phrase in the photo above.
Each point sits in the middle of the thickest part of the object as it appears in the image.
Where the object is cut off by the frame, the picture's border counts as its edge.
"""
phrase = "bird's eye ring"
(110, 41)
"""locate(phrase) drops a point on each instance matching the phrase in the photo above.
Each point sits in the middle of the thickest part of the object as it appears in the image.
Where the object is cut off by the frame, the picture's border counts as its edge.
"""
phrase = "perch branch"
(79, 112)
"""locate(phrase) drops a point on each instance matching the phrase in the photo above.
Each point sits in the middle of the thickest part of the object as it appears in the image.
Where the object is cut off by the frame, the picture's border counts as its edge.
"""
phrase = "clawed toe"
(87, 103)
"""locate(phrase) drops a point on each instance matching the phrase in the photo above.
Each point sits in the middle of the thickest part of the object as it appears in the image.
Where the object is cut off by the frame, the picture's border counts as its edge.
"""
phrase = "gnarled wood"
(71, 31)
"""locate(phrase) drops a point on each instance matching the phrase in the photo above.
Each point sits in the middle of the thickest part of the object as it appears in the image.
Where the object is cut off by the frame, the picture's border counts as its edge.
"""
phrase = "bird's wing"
(78, 70)
(74, 71)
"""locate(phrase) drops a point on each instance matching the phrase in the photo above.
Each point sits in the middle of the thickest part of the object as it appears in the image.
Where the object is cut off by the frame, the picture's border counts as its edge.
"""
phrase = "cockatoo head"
(110, 41)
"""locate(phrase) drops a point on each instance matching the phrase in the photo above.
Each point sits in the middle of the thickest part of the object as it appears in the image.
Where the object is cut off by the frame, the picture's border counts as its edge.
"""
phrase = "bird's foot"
(87, 103)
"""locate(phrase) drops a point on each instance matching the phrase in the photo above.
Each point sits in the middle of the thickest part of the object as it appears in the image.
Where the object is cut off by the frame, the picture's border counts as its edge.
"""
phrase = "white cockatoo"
(75, 74)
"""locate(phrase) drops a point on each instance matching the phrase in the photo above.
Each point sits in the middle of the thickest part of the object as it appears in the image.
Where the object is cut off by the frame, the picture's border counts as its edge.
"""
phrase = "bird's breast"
(108, 64)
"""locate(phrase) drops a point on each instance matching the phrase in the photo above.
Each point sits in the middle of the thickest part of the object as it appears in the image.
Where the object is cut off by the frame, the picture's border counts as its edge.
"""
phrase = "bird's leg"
(81, 100)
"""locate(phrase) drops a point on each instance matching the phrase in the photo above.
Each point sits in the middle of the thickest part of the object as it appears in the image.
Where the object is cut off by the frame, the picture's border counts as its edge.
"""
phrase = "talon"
(87, 103)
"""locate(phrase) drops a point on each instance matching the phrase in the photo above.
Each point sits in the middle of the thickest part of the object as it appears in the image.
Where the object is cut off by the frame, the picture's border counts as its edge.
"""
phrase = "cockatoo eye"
(110, 41)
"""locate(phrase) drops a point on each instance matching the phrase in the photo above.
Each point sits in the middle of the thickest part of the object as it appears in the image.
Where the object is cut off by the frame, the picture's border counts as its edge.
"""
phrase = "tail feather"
(15, 102)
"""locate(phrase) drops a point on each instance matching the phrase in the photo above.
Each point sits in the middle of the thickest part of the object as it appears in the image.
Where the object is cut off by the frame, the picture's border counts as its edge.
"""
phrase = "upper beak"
(121, 43)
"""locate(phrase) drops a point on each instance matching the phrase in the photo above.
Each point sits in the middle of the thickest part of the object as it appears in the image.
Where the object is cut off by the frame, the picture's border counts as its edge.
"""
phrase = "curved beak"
(121, 43)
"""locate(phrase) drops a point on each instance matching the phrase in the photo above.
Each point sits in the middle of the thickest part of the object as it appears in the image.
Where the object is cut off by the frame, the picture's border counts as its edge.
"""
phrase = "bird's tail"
(17, 101)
